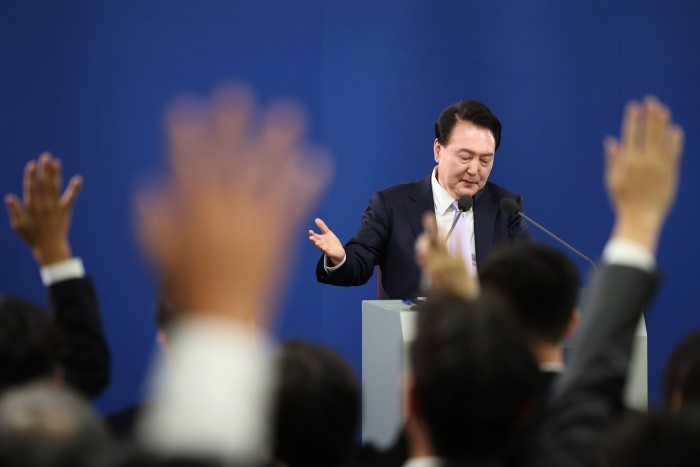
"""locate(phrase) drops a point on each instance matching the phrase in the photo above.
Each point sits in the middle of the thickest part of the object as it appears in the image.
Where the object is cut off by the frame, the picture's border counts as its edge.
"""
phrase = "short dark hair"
(650, 440)
(682, 370)
(317, 406)
(540, 282)
(474, 377)
(29, 343)
(468, 111)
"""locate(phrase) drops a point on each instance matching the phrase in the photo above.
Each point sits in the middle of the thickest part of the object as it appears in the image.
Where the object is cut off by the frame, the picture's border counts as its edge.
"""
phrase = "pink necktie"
(460, 240)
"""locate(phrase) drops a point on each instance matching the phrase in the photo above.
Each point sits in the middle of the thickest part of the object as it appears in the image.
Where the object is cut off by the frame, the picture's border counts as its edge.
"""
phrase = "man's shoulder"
(408, 188)
(499, 191)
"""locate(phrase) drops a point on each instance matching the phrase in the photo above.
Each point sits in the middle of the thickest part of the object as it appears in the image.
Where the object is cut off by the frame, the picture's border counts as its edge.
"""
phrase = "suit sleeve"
(84, 352)
(365, 250)
(589, 398)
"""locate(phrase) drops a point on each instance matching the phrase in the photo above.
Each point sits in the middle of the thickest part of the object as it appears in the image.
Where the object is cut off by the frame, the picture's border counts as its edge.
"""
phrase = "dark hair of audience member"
(44, 425)
(475, 377)
(682, 374)
(468, 111)
(655, 439)
(317, 406)
(539, 281)
(29, 343)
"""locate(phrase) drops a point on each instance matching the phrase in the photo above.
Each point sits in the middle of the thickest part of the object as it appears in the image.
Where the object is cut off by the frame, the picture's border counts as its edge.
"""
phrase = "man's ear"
(436, 150)
(573, 323)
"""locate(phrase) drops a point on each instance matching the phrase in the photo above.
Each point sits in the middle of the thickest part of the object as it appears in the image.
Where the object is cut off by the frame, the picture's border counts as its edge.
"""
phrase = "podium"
(388, 327)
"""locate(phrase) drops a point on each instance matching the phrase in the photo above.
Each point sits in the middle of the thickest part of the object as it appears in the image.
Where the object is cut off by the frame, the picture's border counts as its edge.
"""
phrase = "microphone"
(464, 204)
(510, 207)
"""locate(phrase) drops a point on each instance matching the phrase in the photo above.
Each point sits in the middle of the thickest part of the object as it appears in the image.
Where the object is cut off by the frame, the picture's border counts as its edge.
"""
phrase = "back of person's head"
(474, 377)
(42, 425)
(317, 406)
(541, 283)
(29, 343)
(655, 439)
(682, 374)
(468, 111)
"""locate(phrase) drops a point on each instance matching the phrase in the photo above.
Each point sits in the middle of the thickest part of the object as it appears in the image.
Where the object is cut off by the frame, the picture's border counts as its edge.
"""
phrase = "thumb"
(322, 225)
(71, 193)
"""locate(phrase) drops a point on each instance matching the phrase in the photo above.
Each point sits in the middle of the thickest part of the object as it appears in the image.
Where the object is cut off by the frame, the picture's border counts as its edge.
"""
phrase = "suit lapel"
(484, 223)
(419, 202)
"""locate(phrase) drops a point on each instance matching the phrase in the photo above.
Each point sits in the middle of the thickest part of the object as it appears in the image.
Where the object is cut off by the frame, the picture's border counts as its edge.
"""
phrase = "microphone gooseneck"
(464, 204)
(510, 207)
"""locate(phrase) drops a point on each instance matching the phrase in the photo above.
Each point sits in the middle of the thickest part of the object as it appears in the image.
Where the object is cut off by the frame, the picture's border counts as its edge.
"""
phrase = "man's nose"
(472, 167)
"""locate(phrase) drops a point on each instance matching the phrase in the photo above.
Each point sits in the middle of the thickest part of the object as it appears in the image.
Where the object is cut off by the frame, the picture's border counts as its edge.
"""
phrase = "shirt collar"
(441, 198)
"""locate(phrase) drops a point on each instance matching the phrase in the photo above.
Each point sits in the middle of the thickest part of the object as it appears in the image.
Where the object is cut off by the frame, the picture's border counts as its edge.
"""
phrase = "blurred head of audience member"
(474, 378)
(654, 439)
(317, 407)
(29, 344)
(682, 374)
(542, 284)
(42, 425)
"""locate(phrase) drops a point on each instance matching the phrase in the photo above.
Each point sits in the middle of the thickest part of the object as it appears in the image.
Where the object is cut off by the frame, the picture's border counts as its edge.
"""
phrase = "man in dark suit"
(467, 135)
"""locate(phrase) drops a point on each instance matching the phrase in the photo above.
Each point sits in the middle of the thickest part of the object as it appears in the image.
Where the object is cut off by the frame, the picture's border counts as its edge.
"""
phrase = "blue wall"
(89, 80)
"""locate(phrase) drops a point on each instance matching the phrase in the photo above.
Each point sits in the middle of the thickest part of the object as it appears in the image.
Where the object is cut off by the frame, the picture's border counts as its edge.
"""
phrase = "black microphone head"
(464, 203)
(509, 206)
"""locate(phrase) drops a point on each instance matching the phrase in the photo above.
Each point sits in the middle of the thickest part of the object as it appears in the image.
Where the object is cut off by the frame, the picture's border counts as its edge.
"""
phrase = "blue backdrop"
(89, 80)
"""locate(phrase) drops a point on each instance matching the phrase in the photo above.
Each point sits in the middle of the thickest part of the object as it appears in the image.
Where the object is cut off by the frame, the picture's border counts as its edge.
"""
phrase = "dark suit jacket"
(84, 352)
(588, 398)
(392, 222)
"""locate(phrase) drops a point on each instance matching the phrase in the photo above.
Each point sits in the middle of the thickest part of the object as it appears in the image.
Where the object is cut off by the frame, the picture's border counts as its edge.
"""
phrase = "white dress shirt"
(445, 212)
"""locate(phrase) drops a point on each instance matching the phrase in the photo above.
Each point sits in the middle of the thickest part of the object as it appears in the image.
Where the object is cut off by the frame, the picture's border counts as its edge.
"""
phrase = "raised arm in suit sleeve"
(642, 180)
(42, 220)
(84, 351)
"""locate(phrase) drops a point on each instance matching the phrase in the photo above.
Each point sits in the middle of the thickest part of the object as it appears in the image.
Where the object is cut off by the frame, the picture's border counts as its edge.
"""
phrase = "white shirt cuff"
(332, 268)
(213, 395)
(65, 270)
(623, 252)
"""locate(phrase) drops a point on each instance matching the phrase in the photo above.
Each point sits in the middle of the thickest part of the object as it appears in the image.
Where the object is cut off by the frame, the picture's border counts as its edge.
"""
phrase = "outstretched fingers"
(72, 191)
(14, 210)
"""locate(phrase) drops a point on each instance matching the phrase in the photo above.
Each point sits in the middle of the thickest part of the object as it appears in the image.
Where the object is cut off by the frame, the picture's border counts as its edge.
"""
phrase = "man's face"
(465, 163)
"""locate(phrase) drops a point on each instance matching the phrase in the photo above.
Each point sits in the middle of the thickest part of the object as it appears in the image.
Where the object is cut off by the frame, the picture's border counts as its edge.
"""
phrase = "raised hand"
(42, 218)
(641, 174)
(327, 243)
(221, 225)
(445, 273)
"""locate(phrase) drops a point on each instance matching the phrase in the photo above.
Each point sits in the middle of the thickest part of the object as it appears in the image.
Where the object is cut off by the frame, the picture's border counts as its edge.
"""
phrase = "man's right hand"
(42, 218)
(641, 174)
(327, 243)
